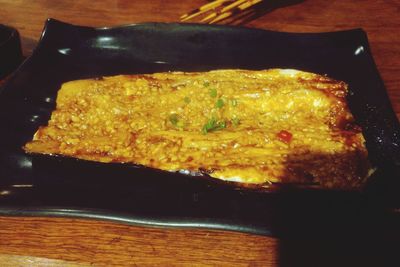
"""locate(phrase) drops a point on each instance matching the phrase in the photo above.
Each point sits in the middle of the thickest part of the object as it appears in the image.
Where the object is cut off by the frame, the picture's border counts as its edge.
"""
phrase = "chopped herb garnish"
(234, 102)
(209, 125)
(213, 125)
(186, 99)
(206, 84)
(219, 103)
(173, 118)
(213, 92)
(221, 125)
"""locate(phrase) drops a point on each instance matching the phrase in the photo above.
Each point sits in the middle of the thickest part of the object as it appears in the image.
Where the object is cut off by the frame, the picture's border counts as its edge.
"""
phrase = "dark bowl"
(10, 50)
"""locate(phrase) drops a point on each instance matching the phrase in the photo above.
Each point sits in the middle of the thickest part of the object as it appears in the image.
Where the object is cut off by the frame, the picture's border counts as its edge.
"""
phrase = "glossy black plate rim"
(136, 220)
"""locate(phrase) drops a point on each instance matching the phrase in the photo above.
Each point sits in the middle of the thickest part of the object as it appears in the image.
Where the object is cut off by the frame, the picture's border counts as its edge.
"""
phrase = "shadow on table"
(367, 249)
(342, 228)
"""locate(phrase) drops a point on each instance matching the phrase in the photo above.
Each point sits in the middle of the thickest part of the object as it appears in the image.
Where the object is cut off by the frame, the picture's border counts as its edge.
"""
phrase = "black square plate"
(56, 186)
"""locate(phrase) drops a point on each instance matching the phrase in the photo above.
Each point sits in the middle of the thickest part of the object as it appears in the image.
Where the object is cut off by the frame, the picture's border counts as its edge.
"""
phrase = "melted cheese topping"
(246, 126)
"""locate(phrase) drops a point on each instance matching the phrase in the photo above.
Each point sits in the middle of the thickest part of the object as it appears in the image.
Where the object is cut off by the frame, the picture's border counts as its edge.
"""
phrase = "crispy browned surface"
(248, 126)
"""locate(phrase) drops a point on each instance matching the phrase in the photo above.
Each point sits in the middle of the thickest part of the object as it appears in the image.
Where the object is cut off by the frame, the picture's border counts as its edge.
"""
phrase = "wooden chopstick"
(220, 10)
(198, 11)
(240, 8)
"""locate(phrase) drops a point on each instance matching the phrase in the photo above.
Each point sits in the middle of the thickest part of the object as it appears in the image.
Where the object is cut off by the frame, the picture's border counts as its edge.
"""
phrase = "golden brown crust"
(250, 126)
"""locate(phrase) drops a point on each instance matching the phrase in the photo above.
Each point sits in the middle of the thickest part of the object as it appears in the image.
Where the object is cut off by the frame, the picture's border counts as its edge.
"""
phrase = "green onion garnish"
(173, 118)
(213, 92)
(234, 102)
(213, 125)
(219, 103)
(186, 99)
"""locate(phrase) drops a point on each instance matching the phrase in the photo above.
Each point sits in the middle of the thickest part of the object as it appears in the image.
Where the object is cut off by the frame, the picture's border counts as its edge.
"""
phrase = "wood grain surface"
(104, 243)
(30, 241)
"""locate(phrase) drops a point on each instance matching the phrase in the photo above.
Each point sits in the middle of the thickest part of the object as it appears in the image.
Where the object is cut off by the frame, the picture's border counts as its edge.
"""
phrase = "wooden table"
(78, 242)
